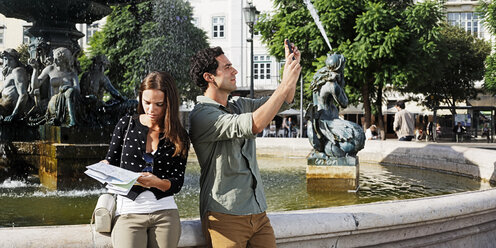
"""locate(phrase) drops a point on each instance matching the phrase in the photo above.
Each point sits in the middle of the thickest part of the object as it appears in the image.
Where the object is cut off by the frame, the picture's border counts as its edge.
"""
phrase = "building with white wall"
(88, 30)
(12, 33)
(463, 13)
(224, 24)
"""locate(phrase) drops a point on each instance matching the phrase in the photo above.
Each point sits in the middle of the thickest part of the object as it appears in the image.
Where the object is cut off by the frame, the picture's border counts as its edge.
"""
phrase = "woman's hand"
(105, 161)
(149, 180)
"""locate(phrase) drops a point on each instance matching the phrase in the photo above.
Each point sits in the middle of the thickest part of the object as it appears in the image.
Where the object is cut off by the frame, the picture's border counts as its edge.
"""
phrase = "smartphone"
(290, 48)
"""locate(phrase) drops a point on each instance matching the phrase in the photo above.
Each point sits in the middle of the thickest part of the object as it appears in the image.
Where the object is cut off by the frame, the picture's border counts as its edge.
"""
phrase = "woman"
(157, 146)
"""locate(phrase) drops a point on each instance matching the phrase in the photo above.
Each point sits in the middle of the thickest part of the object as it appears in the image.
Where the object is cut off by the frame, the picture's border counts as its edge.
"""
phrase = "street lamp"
(250, 12)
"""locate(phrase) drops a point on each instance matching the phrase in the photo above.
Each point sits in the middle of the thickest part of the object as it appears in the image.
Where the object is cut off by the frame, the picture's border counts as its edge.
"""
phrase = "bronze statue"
(13, 89)
(64, 86)
(329, 135)
(94, 83)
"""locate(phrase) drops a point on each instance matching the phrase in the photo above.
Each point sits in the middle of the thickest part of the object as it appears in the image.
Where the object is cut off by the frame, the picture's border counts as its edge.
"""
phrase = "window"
(26, 39)
(2, 29)
(261, 67)
(195, 21)
(469, 21)
(90, 31)
(218, 27)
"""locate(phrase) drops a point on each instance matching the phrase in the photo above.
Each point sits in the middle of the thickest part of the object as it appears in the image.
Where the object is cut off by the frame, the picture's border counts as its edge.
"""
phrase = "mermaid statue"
(330, 136)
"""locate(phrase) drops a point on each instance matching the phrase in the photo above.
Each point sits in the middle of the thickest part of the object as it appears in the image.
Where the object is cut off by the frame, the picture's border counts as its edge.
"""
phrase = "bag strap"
(92, 221)
(125, 137)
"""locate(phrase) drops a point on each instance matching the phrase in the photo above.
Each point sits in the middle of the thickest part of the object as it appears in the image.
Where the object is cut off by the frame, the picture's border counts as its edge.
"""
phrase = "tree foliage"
(384, 42)
(488, 9)
(153, 35)
(462, 56)
(23, 51)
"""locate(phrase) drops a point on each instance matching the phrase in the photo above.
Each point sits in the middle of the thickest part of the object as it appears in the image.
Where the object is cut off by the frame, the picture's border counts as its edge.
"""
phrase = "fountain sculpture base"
(331, 173)
(59, 155)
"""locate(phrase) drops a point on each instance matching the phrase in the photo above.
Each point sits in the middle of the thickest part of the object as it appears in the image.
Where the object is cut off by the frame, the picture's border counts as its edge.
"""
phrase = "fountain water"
(315, 16)
(285, 187)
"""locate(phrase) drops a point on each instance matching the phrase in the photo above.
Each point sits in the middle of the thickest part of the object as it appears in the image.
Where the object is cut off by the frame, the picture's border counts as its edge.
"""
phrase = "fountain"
(57, 129)
(445, 218)
(332, 165)
(285, 188)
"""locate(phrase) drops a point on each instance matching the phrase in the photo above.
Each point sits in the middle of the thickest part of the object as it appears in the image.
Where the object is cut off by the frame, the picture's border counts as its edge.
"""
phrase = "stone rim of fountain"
(462, 218)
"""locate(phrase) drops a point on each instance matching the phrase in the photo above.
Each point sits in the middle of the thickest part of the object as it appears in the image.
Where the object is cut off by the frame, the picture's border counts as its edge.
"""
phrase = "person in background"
(290, 125)
(371, 133)
(404, 123)
(419, 134)
(428, 131)
(439, 131)
(459, 130)
(222, 131)
(285, 127)
(157, 146)
(485, 132)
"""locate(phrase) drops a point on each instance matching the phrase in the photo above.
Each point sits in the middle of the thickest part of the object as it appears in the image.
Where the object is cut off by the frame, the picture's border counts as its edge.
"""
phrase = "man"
(404, 122)
(13, 90)
(232, 200)
(459, 130)
(371, 133)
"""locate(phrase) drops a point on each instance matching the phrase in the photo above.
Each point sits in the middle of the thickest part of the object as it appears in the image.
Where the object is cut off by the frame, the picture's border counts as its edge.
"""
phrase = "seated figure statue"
(94, 83)
(64, 86)
(328, 134)
(13, 89)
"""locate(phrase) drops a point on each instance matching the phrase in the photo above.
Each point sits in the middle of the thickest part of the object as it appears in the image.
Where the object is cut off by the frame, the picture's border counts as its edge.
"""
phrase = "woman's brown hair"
(171, 125)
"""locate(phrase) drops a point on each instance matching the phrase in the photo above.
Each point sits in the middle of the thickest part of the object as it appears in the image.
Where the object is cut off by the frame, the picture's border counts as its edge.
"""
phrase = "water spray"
(315, 16)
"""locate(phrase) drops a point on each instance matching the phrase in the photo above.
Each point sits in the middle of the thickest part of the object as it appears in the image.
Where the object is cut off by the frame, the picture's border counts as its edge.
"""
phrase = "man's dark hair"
(400, 104)
(204, 61)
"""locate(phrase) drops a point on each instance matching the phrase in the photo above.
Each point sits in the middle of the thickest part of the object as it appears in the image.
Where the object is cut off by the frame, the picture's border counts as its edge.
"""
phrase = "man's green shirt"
(224, 143)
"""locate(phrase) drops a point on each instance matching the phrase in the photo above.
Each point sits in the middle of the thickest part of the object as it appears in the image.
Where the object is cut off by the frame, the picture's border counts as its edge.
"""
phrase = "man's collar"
(206, 99)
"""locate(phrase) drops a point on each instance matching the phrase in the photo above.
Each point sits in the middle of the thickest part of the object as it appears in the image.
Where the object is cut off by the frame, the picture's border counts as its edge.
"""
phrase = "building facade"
(224, 24)
(463, 13)
(12, 33)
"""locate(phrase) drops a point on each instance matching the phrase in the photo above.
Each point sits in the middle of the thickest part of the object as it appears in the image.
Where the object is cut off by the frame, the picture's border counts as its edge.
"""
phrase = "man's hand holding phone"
(291, 49)
(292, 68)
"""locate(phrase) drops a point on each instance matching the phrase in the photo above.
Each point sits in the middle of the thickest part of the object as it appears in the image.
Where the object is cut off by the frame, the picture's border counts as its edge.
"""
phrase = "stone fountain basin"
(75, 11)
(457, 220)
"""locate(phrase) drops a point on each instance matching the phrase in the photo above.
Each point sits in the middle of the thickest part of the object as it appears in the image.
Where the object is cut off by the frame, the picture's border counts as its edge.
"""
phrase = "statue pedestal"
(61, 166)
(59, 154)
(332, 174)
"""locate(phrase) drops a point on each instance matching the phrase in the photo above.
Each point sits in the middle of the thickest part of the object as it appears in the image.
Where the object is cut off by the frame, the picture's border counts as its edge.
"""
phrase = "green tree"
(153, 35)
(462, 56)
(170, 40)
(488, 9)
(384, 42)
(23, 51)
